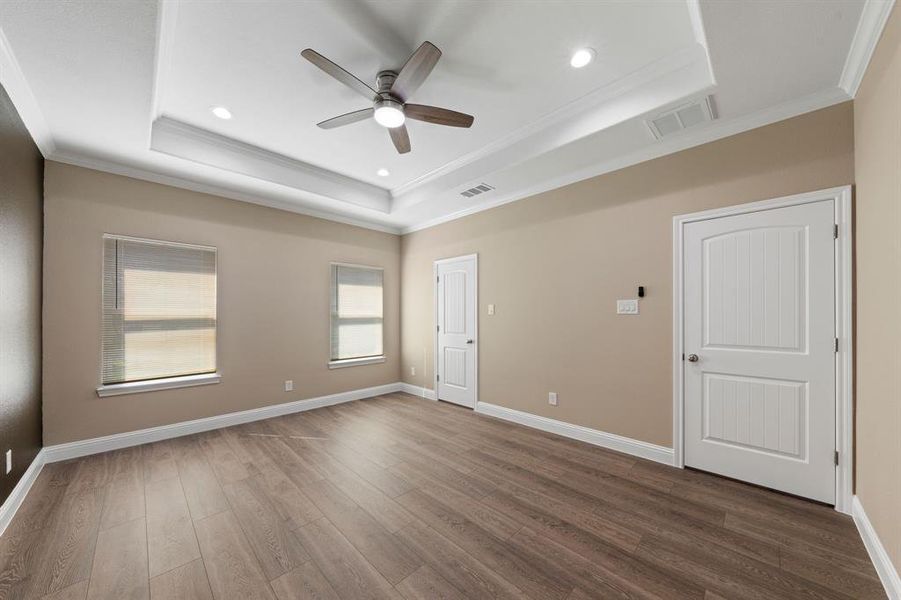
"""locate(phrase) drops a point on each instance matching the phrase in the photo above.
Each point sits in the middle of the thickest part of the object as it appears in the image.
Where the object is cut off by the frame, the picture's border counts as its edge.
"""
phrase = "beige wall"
(273, 300)
(877, 136)
(554, 265)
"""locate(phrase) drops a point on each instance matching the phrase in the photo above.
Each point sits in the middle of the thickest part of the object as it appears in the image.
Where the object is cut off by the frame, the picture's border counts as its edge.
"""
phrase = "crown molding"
(13, 80)
(869, 28)
(269, 200)
(710, 132)
(166, 19)
(182, 140)
(697, 26)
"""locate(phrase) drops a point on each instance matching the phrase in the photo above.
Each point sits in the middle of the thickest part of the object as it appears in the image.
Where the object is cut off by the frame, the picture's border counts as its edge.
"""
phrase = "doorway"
(456, 337)
(762, 348)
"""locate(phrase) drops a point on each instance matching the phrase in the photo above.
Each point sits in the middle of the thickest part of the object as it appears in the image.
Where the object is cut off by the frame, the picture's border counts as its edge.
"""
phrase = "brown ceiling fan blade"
(401, 138)
(346, 118)
(338, 73)
(438, 116)
(415, 71)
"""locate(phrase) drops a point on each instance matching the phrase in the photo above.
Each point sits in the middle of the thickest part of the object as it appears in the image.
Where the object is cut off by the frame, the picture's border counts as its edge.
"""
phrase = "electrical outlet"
(289, 385)
(552, 398)
(9, 461)
(413, 371)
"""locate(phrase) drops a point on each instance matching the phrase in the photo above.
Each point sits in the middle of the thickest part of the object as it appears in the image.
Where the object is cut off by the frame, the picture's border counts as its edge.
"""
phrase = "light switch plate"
(490, 310)
(627, 307)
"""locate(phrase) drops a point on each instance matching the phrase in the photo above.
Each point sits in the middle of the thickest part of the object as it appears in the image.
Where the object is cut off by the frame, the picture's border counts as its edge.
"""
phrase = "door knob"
(693, 358)
(468, 341)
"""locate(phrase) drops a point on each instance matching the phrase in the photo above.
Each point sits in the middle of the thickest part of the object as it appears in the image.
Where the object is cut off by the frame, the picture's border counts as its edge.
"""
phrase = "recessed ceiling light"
(383, 172)
(581, 57)
(221, 112)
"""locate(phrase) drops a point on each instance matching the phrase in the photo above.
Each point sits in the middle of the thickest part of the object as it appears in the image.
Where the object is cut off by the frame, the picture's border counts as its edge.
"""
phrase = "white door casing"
(456, 303)
(759, 314)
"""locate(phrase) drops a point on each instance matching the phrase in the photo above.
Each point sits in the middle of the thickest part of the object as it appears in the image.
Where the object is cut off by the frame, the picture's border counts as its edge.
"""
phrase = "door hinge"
(437, 327)
(836, 458)
(683, 356)
(835, 231)
(437, 377)
(438, 279)
(836, 345)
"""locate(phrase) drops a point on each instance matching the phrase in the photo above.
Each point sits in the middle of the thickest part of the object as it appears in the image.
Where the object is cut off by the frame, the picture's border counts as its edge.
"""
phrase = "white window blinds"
(356, 312)
(159, 310)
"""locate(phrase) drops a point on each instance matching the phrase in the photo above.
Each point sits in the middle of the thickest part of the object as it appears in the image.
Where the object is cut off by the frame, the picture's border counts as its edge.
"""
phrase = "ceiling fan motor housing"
(384, 80)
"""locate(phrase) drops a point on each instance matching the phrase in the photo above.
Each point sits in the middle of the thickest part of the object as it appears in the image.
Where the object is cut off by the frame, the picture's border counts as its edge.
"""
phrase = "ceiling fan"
(389, 104)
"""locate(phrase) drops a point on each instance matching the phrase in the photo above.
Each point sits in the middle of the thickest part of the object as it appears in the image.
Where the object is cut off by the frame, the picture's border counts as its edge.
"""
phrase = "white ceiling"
(127, 87)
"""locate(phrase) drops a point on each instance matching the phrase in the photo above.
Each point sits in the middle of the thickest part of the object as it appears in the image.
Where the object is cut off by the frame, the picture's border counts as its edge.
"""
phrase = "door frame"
(844, 376)
(475, 258)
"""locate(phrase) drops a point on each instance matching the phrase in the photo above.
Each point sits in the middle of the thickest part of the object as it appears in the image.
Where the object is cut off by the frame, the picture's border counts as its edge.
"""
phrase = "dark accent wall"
(21, 254)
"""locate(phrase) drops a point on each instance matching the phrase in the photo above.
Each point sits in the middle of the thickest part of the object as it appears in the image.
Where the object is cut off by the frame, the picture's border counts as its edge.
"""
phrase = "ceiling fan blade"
(338, 73)
(438, 116)
(415, 71)
(401, 138)
(346, 118)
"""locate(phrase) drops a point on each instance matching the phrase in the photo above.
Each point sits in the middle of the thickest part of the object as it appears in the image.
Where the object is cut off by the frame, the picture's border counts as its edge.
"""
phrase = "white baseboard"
(14, 500)
(612, 441)
(418, 391)
(154, 434)
(884, 567)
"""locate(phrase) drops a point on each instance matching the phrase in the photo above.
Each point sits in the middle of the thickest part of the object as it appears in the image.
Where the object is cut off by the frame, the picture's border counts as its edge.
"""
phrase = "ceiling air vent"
(682, 117)
(479, 189)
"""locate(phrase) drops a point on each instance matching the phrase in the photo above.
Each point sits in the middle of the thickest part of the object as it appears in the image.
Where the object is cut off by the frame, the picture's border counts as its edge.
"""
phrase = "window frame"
(340, 363)
(157, 383)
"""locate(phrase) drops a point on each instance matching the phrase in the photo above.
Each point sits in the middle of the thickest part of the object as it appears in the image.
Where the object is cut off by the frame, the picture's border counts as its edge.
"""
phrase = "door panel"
(759, 313)
(456, 294)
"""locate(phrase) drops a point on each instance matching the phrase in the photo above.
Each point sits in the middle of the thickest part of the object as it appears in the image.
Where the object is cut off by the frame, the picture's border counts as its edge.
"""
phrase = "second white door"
(759, 337)
(455, 293)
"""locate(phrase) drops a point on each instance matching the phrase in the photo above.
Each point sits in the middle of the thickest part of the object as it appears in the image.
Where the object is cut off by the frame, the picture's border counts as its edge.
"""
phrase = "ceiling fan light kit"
(389, 113)
(389, 104)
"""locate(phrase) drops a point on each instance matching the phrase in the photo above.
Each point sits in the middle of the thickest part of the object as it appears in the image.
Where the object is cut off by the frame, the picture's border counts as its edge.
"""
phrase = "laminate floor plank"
(222, 458)
(67, 553)
(76, 591)
(456, 565)
(385, 552)
(426, 584)
(124, 499)
(170, 533)
(276, 547)
(159, 461)
(306, 582)
(202, 490)
(404, 498)
(348, 572)
(187, 582)
(537, 580)
(120, 563)
(231, 566)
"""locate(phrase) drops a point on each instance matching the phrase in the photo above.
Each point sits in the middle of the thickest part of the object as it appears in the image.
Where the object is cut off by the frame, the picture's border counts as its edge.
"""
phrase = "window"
(159, 312)
(356, 321)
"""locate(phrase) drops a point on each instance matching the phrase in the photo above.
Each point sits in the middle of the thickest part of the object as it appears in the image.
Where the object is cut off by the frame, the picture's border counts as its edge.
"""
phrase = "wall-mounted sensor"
(641, 291)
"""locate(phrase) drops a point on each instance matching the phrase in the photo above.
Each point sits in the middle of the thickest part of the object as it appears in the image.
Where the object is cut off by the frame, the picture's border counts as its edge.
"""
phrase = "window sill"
(355, 362)
(136, 387)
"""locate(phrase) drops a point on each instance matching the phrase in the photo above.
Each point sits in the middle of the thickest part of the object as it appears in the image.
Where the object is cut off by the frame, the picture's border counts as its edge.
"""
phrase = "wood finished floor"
(398, 497)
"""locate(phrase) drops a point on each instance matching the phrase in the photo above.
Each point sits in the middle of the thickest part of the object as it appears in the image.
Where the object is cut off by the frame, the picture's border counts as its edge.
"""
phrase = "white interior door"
(456, 293)
(759, 343)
